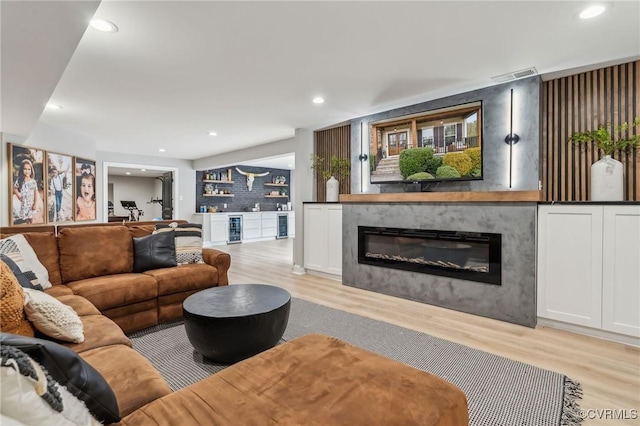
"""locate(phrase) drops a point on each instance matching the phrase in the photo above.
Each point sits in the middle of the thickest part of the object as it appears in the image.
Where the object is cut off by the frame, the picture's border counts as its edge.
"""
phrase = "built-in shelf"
(217, 181)
(217, 195)
(276, 184)
(276, 196)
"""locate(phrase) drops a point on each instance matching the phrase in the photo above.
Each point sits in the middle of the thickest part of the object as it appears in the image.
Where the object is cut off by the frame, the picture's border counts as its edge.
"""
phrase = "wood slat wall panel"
(330, 142)
(579, 103)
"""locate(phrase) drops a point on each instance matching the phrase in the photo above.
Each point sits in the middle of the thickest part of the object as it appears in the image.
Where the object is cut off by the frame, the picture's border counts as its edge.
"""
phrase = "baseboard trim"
(588, 331)
(325, 275)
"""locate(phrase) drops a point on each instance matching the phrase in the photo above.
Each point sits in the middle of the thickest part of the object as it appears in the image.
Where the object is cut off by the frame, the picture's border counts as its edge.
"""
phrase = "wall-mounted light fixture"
(511, 139)
(363, 157)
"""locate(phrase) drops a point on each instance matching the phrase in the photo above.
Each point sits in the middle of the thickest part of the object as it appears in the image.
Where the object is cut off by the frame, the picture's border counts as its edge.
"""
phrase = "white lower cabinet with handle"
(589, 269)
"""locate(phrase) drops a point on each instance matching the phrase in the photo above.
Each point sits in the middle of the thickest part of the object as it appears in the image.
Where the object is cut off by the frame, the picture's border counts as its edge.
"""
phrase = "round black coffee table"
(230, 323)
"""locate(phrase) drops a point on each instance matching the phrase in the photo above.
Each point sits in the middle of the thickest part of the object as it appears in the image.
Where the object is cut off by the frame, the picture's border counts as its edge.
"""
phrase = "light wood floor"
(609, 372)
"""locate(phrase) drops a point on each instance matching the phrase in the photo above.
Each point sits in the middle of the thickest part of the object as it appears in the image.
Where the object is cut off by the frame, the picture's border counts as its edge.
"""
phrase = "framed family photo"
(28, 191)
(59, 180)
(85, 189)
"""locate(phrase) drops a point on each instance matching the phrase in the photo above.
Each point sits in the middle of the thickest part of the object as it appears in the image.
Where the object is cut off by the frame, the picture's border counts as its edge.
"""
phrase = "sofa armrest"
(220, 260)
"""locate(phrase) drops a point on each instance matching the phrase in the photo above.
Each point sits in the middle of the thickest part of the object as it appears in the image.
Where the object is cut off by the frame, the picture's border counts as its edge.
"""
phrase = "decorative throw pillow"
(52, 317)
(25, 279)
(188, 241)
(12, 316)
(30, 396)
(72, 372)
(18, 249)
(154, 251)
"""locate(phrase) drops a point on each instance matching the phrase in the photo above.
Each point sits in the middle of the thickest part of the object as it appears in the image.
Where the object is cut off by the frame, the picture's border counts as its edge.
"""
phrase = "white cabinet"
(291, 226)
(269, 225)
(323, 238)
(589, 266)
(251, 226)
(219, 228)
(621, 270)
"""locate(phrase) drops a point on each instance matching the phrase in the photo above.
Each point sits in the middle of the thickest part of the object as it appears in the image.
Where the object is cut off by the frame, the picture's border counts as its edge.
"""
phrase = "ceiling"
(177, 70)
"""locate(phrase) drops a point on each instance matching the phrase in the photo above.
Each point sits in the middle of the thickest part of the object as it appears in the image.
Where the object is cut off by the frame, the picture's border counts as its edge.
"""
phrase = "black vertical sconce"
(511, 139)
(362, 157)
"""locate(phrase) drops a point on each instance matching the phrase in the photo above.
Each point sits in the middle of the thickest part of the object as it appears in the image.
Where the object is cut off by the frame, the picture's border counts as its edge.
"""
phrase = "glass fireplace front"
(469, 256)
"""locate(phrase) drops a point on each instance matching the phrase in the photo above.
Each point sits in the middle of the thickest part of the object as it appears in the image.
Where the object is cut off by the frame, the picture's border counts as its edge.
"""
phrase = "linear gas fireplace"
(472, 256)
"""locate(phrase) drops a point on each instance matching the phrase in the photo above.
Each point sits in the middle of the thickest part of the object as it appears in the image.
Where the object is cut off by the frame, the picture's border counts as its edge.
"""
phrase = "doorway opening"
(153, 187)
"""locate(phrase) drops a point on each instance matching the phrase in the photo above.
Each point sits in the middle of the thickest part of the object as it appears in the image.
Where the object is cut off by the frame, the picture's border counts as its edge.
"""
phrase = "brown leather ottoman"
(312, 380)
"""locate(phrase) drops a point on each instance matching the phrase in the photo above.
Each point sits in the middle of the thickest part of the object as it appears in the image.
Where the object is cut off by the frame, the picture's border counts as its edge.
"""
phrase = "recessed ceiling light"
(127, 173)
(213, 134)
(318, 100)
(54, 106)
(143, 170)
(161, 149)
(103, 25)
(289, 165)
(592, 11)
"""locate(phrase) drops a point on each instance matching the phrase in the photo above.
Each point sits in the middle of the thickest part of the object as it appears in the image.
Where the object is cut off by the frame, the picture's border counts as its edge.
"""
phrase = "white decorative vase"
(333, 190)
(607, 180)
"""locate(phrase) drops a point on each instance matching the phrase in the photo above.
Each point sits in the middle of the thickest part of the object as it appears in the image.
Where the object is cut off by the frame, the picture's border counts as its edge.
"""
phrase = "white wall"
(303, 191)
(55, 139)
(48, 138)
(138, 189)
(273, 149)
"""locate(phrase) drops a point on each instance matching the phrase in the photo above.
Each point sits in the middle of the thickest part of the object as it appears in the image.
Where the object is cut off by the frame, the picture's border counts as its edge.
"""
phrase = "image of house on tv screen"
(438, 145)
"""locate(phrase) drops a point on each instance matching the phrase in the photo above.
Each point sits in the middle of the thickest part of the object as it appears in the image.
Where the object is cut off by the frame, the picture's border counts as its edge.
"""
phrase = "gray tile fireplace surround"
(514, 301)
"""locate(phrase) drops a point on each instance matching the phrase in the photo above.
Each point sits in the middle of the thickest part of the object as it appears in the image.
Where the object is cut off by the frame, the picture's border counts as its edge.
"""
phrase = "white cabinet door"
(269, 225)
(621, 270)
(251, 228)
(292, 224)
(570, 264)
(219, 228)
(323, 238)
(334, 236)
(316, 254)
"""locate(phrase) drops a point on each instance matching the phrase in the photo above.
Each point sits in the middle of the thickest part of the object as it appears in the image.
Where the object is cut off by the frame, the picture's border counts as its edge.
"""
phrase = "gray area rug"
(500, 392)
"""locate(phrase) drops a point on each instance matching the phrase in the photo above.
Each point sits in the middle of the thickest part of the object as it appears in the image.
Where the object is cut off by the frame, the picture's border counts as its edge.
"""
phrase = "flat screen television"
(432, 146)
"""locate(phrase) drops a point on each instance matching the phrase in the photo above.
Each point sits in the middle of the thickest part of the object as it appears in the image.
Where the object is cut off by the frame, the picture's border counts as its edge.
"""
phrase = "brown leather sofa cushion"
(94, 251)
(112, 291)
(99, 331)
(133, 379)
(79, 304)
(312, 380)
(45, 246)
(184, 277)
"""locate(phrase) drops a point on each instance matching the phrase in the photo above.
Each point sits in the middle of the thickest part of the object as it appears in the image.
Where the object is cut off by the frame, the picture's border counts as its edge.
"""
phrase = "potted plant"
(607, 173)
(328, 170)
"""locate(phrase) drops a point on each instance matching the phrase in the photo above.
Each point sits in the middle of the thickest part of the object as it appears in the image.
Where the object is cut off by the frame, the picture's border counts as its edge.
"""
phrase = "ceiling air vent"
(528, 72)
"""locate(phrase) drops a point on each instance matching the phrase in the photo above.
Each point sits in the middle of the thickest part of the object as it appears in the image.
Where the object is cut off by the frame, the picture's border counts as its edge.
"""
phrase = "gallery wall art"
(49, 187)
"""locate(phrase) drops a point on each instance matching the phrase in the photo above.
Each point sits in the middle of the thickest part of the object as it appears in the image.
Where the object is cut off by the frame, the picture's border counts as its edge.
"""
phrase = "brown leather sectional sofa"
(312, 380)
(91, 269)
(96, 262)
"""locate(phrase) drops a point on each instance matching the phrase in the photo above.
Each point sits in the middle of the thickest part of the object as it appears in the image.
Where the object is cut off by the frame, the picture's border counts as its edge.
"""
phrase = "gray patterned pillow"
(26, 279)
(188, 241)
(20, 252)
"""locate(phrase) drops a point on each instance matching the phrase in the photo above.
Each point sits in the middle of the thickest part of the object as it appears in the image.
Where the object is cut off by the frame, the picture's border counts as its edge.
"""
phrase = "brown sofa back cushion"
(94, 251)
(46, 248)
